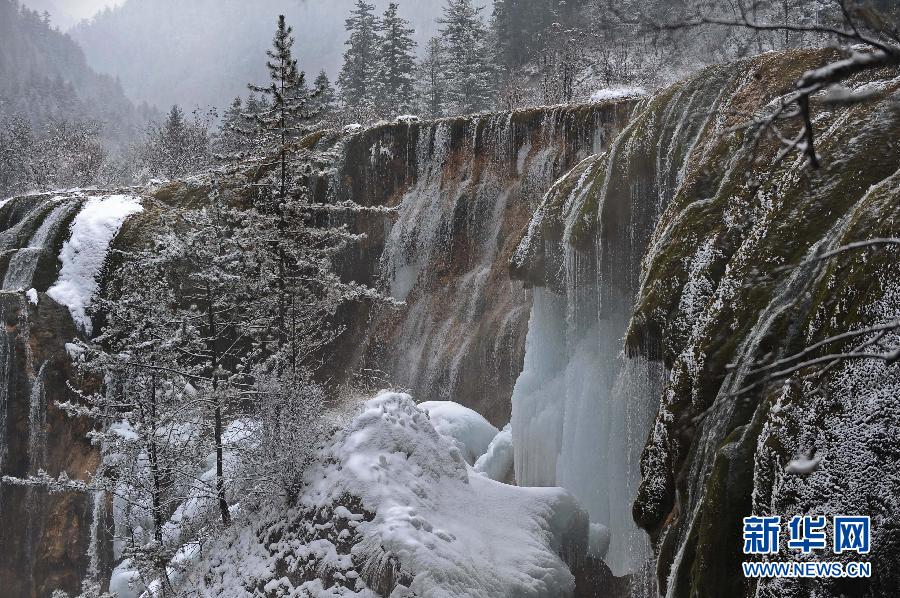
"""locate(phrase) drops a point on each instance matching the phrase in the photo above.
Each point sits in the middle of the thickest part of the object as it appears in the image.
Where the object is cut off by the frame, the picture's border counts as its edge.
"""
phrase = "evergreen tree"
(396, 63)
(468, 71)
(360, 59)
(284, 116)
(327, 99)
(176, 147)
(430, 88)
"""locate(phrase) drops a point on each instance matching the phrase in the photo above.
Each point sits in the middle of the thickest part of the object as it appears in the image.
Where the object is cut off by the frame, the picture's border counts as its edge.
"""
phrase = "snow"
(352, 128)
(458, 534)
(407, 119)
(468, 429)
(84, 253)
(617, 93)
(392, 498)
(32, 295)
(497, 461)
(803, 465)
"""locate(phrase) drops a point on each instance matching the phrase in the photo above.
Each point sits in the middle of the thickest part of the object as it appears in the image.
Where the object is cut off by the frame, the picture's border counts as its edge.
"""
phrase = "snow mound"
(471, 433)
(84, 253)
(617, 93)
(392, 509)
(497, 462)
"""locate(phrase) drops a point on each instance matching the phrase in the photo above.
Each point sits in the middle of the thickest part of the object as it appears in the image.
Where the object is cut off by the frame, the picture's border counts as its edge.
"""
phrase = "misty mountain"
(66, 13)
(44, 75)
(205, 52)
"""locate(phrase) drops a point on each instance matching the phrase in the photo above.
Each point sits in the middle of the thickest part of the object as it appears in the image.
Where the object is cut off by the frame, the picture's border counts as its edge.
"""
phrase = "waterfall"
(5, 363)
(23, 263)
(473, 184)
(582, 409)
(37, 423)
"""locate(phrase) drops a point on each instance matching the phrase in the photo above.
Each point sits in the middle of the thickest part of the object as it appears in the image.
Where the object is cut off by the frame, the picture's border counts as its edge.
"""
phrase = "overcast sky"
(66, 13)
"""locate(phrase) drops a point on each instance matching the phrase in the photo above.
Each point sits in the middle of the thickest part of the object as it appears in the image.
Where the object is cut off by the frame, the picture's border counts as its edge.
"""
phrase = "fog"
(66, 13)
(204, 52)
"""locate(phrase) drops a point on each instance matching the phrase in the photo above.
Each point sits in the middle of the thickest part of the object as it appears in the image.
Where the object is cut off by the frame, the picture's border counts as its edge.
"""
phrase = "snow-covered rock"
(470, 431)
(393, 509)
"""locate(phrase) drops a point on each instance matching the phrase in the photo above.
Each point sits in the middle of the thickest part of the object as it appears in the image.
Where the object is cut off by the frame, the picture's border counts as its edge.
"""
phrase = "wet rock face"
(43, 538)
(715, 291)
(464, 189)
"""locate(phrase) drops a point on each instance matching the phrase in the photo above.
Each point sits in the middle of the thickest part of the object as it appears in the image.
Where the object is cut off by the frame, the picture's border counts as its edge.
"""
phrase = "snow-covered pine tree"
(396, 63)
(326, 103)
(468, 70)
(150, 428)
(176, 147)
(285, 114)
(292, 243)
(430, 86)
(360, 59)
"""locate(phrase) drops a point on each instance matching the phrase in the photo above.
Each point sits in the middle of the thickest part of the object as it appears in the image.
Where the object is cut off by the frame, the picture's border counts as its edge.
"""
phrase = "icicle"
(94, 560)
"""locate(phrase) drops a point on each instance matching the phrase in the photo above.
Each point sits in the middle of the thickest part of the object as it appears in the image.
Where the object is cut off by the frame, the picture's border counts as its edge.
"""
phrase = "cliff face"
(463, 189)
(732, 278)
(43, 537)
(682, 239)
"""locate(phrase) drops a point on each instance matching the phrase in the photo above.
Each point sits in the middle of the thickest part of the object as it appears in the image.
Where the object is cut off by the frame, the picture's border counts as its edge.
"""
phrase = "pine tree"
(431, 85)
(356, 77)
(327, 99)
(285, 115)
(396, 63)
(176, 147)
(228, 139)
(468, 71)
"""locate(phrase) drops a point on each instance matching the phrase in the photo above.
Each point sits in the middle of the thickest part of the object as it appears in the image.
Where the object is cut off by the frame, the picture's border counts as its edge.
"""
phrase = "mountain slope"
(44, 75)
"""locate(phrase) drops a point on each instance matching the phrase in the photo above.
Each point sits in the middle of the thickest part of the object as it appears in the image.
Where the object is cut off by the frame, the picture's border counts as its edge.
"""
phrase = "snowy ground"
(394, 509)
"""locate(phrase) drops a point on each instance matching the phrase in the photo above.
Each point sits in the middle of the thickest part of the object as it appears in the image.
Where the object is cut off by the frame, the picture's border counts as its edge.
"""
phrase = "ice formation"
(497, 461)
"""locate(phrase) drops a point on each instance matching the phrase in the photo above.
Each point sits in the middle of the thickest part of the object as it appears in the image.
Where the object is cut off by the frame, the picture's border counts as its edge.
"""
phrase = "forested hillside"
(60, 121)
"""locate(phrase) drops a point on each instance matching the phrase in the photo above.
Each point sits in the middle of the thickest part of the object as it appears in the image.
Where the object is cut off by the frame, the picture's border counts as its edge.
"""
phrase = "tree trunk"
(212, 346)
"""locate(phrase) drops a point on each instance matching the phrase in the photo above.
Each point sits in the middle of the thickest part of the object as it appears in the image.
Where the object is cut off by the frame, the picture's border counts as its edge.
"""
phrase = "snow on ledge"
(83, 255)
(617, 93)
(468, 429)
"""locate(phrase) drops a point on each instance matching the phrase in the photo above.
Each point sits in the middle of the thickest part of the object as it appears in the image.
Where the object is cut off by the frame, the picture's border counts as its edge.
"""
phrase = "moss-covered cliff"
(705, 229)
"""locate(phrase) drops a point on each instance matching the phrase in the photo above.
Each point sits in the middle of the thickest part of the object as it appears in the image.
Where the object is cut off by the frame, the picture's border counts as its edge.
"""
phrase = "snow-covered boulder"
(392, 509)
(497, 461)
(468, 429)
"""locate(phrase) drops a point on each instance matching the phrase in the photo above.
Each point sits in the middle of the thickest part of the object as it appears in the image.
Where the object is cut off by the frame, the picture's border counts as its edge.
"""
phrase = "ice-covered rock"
(497, 461)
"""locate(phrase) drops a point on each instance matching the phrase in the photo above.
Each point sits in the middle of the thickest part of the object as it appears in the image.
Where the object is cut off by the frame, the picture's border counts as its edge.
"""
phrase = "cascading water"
(37, 423)
(473, 184)
(24, 262)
